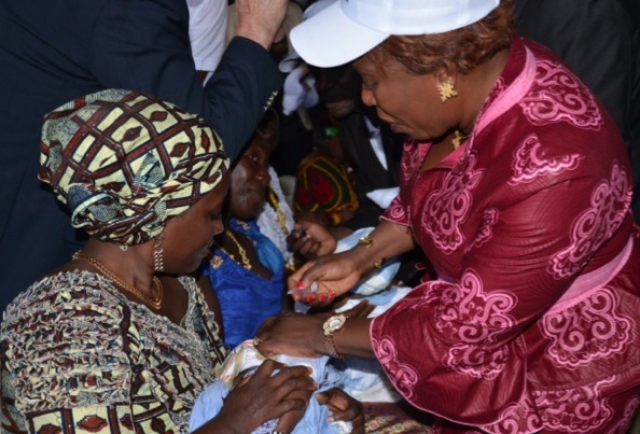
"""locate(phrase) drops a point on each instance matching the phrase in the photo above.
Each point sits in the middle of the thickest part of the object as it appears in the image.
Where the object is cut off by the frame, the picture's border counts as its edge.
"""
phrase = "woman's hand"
(318, 282)
(294, 334)
(343, 407)
(266, 396)
(334, 275)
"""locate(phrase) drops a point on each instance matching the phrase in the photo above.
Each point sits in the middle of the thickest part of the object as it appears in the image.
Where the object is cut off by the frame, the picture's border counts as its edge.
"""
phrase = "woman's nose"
(263, 176)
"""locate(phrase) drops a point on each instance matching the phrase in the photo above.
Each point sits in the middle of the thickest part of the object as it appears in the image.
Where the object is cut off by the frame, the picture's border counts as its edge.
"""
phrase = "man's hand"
(259, 20)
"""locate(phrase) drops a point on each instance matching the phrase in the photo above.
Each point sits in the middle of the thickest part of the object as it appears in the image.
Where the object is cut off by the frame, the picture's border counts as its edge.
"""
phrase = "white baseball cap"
(347, 29)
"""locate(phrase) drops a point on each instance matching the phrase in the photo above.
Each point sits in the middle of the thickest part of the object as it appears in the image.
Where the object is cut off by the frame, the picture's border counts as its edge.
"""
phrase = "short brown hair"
(463, 48)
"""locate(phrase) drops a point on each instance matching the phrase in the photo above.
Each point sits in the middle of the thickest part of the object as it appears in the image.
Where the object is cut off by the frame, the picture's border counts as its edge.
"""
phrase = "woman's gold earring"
(158, 255)
(446, 89)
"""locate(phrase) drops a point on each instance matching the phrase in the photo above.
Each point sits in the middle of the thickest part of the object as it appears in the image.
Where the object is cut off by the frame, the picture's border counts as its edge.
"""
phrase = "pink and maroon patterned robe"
(534, 321)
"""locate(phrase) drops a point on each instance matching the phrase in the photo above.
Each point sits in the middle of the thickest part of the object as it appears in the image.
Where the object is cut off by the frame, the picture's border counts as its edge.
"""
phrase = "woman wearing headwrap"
(119, 339)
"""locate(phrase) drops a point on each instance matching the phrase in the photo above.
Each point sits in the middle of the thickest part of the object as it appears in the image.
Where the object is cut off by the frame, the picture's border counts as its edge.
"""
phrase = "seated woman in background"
(246, 269)
(120, 339)
(299, 240)
(326, 185)
(275, 219)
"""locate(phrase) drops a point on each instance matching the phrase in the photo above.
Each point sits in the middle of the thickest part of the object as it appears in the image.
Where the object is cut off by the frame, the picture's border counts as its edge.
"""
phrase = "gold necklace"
(243, 253)
(155, 301)
(282, 219)
(458, 138)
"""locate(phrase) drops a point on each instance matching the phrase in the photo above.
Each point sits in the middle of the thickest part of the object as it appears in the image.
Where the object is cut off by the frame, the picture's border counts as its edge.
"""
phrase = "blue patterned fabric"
(246, 298)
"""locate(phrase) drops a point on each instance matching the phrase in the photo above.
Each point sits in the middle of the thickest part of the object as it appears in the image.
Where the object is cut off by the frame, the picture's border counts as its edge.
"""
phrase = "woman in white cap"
(516, 186)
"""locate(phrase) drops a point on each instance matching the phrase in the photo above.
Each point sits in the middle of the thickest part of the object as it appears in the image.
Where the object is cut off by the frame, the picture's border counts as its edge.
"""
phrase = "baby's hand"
(290, 419)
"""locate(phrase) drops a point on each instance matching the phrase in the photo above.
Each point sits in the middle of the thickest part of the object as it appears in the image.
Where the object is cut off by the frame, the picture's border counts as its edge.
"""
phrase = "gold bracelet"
(365, 241)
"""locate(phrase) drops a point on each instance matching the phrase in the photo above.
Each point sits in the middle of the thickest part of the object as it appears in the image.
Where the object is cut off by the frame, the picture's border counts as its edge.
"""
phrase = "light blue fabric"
(377, 280)
(208, 404)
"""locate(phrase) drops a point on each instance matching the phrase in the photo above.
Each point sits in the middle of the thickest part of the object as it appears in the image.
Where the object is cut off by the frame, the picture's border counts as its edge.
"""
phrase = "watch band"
(331, 347)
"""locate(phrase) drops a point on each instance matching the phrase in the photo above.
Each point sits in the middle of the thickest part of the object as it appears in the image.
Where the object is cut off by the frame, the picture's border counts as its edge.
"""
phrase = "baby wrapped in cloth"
(242, 363)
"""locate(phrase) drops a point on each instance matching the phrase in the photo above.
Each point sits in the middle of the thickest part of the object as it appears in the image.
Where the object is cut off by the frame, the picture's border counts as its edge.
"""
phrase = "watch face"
(334, 323)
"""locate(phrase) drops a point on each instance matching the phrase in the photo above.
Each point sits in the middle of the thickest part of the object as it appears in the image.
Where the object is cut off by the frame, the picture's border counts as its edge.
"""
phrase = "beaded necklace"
(244, 259)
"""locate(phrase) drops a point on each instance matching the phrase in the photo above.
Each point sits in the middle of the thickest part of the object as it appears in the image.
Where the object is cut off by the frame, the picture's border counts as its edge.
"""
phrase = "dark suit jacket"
(52, 51)
(370, 174)
(600, 41)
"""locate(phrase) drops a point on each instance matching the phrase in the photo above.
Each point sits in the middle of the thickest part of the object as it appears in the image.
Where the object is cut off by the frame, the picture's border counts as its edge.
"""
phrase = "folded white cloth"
(384, 196)
(298, 92)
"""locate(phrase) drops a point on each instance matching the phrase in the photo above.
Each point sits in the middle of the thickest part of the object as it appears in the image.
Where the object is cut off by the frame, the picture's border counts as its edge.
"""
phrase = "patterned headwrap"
(124, 162)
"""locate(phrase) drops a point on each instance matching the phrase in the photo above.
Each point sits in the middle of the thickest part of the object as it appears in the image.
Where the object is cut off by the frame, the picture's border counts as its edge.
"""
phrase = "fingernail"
(300, 284)
(322, 297)
(311, 297)
(332, 294)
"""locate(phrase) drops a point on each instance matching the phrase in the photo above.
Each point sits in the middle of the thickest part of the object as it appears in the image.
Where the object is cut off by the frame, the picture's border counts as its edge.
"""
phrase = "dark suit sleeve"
(144, 45)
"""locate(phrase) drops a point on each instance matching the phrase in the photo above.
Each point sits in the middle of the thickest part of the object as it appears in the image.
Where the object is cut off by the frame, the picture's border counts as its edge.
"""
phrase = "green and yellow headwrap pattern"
(124, 162)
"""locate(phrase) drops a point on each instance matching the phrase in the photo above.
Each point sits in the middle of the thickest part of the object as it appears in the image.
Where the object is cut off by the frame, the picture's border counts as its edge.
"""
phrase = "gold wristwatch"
(330, 326)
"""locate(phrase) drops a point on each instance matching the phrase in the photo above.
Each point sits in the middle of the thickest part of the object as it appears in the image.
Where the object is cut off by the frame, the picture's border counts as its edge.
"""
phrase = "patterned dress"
(77, 356)
(534, 321)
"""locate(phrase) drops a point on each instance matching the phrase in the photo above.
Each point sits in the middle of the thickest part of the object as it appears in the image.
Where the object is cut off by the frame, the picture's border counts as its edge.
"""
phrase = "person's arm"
(207, 26)
(302, 335)
(144, 46)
